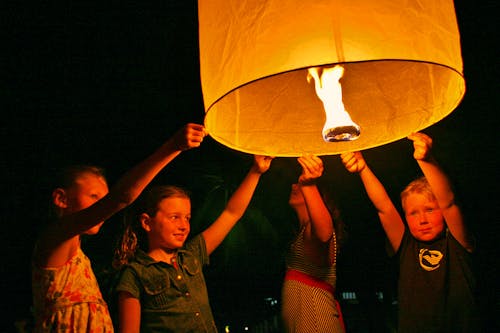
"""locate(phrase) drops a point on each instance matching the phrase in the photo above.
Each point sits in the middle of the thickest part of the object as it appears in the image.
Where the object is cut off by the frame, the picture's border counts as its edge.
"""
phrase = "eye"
(173, 217)
(431, 209)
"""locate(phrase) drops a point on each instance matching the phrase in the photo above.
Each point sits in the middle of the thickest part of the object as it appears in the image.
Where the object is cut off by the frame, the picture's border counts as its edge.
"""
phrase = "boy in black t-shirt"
(436, 284)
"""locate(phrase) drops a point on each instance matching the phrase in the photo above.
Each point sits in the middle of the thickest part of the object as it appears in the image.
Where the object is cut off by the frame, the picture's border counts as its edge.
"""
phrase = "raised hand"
(353, 161)
(312, 168)
(422, 145)
(189, 136)
(262, 163)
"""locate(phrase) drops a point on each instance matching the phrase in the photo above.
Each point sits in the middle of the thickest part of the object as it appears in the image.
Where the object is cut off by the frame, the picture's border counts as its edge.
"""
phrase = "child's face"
(170, 227)
(87, 190)
(423, 216)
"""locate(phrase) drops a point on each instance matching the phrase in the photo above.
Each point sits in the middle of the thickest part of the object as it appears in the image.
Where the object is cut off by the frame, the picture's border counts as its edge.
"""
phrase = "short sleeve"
(198, 247)
(129, 282)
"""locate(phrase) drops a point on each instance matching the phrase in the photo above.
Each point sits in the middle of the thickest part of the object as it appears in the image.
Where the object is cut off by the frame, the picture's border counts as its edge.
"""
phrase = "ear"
(145, 221)
(59, 198)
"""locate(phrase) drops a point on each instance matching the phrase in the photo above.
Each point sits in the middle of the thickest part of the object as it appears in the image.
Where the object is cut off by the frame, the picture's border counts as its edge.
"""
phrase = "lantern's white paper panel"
(402, 70)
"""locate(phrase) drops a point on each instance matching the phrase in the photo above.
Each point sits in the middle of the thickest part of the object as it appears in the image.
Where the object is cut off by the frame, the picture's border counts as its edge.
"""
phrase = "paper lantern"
(398, 66)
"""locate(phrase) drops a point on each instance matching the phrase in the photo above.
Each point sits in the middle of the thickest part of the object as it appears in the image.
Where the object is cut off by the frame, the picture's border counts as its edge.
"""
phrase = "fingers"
(263, 163)
(347, 157)
(311, 163)
(312, 166)
(196, 127)
(189, 136)
(353, 161)
(420, 139)
(422, 145)
(196, 130)
(194, 134)
(262, 159)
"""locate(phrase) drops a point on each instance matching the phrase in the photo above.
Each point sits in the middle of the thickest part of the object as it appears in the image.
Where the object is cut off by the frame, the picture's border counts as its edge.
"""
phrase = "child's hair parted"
(420, 186)
(134, 236)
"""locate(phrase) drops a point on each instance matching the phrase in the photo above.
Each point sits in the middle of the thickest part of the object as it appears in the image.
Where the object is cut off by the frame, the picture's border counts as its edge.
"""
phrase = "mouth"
(179, 236)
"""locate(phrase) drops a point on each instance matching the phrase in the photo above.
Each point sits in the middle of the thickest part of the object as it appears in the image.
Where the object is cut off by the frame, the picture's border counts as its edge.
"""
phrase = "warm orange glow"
(338, 125)
(402, 68)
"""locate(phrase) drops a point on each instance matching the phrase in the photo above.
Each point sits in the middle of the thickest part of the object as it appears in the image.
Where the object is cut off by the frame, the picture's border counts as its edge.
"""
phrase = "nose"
(183, 224)
(422, 219)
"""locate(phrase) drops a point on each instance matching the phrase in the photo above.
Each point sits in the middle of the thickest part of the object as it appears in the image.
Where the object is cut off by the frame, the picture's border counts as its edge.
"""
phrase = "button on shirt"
(172, 299)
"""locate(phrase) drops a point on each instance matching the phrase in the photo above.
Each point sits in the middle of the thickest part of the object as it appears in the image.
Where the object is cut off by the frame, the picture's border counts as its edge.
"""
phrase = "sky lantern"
(289, 77)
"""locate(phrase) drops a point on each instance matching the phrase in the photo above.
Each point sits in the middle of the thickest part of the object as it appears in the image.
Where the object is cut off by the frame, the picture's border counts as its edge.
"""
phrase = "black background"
(89, 82)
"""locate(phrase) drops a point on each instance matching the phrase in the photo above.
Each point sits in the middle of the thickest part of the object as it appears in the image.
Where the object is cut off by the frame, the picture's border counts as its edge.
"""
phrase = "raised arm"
(132, 183)
(237, 204)
(442, 189)
(321, 225)
(57, 243)
(391, 220)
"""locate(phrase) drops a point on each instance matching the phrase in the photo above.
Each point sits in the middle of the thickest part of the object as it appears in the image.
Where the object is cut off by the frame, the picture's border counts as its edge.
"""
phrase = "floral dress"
(68, 299)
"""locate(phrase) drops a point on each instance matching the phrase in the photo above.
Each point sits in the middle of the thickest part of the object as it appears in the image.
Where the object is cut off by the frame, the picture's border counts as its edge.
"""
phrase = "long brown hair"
(331, 204)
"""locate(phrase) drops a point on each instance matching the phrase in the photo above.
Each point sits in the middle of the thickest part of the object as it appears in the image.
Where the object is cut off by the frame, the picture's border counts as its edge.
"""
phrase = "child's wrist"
(307, 182)
(256, 169)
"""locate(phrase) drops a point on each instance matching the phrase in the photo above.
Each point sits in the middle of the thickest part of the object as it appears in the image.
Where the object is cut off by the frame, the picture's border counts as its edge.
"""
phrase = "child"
(66, 295)
(435, 271)
(308, 293)
(162, 287)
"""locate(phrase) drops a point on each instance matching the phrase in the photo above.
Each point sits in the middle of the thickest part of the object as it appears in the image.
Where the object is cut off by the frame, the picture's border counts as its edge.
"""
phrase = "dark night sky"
(90, 83)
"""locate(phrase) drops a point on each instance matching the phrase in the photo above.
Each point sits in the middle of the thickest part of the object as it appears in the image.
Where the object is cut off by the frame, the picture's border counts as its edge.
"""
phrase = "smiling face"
(424, 217)
(169, 228)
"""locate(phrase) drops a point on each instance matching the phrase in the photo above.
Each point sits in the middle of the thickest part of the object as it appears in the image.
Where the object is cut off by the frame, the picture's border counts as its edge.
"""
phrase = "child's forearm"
(129, 187)
(376, 191)
(390, 219)
(438, 181)
(443, 192)
(234, 210)
(321, 220)
(241, 198)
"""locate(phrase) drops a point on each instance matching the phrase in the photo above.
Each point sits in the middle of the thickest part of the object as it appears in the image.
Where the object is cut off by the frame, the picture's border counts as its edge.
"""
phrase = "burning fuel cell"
(339, 125)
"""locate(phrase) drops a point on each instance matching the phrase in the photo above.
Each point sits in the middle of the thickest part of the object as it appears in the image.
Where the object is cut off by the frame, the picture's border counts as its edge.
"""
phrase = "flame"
(339, 125)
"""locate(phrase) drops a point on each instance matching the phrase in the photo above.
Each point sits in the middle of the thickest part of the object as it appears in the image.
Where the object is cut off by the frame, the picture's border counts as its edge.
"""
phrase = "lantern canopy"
(401, 61)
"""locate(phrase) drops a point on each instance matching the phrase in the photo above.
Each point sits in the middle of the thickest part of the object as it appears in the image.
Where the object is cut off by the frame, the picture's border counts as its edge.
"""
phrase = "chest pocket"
(194, 275)
(191, 265)
(162, 290)
(157, 289)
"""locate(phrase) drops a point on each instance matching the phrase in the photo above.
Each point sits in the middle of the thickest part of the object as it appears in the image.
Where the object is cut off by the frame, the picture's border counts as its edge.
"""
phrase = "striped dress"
(308, 302)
